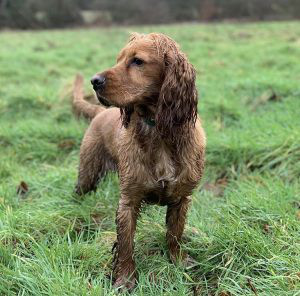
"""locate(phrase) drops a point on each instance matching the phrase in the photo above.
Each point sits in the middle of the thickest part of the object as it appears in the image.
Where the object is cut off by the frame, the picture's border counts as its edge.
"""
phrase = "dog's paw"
(183, 259)
(123, 284)
(78, 190)
(189, 262)
(77, 195)
(81, 190)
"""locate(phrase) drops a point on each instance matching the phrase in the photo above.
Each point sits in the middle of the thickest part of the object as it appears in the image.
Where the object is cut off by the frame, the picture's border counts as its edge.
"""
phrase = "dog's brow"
(126, 53)
(143, 55)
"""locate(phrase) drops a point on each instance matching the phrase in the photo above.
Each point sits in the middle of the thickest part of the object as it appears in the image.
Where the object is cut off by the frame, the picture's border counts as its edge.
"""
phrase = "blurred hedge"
(25, 14)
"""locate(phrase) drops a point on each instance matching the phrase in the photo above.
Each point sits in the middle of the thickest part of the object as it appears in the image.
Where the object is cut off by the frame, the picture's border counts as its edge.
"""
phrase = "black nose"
(98, 81)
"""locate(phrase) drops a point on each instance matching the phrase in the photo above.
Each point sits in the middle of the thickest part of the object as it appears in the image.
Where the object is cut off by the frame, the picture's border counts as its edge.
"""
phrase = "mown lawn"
(244, 225)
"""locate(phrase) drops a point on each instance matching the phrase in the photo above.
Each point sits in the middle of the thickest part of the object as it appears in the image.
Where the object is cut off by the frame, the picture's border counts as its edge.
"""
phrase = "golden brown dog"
(152, 137)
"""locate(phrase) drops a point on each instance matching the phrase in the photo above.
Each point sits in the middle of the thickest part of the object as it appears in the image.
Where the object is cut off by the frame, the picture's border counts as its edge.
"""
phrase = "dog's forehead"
(139, 47)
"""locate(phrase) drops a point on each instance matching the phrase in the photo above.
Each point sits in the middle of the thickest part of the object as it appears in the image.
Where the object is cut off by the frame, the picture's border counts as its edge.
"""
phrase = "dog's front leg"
(175, 220)
(124, 267)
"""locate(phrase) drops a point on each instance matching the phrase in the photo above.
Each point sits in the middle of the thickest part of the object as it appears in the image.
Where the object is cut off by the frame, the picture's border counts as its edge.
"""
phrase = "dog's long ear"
(177, 102)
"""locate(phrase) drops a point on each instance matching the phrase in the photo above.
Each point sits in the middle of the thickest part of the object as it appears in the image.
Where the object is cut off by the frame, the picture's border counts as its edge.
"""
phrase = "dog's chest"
(164, 175)
(156, 172)
(163, 169)
(161, 177)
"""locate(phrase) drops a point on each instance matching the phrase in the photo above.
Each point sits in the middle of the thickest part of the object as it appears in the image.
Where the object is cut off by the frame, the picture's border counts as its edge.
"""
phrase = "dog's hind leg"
(95, 162)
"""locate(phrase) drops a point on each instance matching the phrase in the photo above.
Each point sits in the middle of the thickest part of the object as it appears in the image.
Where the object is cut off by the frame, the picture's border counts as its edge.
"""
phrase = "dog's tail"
(80, 106)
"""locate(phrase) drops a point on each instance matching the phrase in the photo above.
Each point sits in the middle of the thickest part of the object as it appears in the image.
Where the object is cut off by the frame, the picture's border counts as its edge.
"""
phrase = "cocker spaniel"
(151, 135)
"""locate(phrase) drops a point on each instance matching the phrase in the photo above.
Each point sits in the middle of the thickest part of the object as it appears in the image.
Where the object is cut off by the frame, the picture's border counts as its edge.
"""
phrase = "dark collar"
(149, 121)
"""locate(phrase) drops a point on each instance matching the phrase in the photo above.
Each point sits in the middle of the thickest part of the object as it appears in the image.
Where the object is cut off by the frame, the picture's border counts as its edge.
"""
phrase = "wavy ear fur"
(177, 102)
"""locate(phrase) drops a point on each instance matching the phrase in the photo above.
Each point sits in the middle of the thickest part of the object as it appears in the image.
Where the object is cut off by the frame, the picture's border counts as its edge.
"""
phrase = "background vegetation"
(243, 227)
(36, 14)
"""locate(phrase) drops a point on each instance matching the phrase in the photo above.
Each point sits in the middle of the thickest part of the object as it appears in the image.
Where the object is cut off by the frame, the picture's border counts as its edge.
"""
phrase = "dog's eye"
(137, 61)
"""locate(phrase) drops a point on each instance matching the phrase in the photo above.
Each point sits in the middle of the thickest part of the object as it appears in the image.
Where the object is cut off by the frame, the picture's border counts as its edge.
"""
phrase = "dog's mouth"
(104, 101)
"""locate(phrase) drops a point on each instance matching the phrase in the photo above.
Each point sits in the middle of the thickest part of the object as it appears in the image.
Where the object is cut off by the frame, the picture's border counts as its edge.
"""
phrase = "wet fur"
(159, 164)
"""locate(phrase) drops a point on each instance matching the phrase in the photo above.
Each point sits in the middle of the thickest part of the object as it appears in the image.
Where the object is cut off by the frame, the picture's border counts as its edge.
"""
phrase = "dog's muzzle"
(98, 82)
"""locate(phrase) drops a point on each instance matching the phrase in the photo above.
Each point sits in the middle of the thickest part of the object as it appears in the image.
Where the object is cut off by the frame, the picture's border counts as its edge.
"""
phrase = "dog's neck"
(146, 113)
(143, 127)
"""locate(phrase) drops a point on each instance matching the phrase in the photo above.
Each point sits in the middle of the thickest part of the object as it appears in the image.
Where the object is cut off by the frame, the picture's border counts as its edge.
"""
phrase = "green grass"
(244, 225)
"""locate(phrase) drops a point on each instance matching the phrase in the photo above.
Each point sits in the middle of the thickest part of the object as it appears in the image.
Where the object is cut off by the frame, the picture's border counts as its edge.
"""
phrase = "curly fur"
(177, 101)
(152, 137)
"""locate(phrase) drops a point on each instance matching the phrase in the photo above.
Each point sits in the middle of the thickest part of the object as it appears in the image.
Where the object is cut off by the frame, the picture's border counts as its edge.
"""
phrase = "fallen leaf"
(217, 188)
(66, 144)
(53, 72)
(266, 228)
(252, 287)
(153, 251)
(195, 230)
(244, 35)
(222, 181)
(96, 218)
(38, 48)
(224, 293)
(219, 63)
(89, 284)
(22, 189)
(293, 279)
(268, 95)
(197, 290)
(51, 44)
(153, 277)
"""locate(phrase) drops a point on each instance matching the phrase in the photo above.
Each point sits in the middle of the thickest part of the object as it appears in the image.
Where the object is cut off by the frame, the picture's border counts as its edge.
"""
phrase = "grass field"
(244, 225)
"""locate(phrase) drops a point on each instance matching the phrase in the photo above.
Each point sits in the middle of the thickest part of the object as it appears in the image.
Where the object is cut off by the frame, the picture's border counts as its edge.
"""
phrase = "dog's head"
(151, 69)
